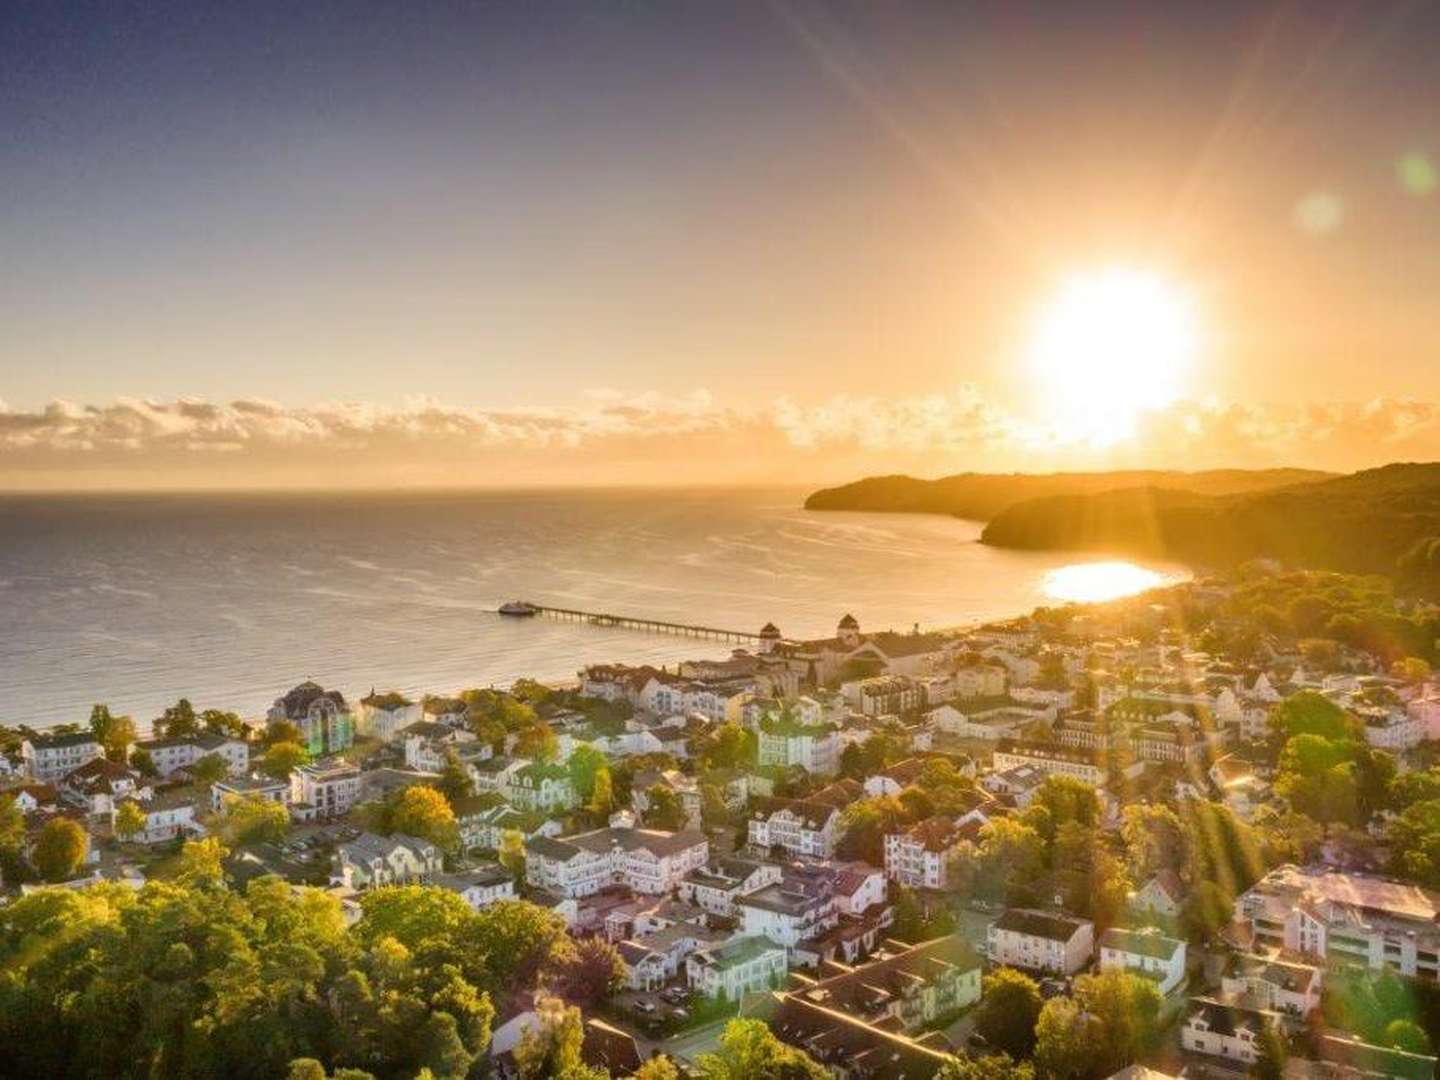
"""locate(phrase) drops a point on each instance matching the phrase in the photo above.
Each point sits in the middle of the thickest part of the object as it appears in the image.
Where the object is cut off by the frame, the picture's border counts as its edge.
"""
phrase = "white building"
(647, 860)
(1282, 986)
(537, 786)
(800, 826)
(918, 857)
(717, 886)
(427, 742)
(1356, 919)
(1041, 941)
(168, 814)
(324, 789)
(481, 887)
(1145, 952)
(370, 861)
(384, 716)
(183, 751)
(100, 783)
(1232, 1032)
(257, 787)
(1083, 765)
(49, 757)
(786, 740)
(746, 965)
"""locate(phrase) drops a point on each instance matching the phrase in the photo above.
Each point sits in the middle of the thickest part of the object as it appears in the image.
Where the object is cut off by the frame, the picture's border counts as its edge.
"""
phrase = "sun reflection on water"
(1085, 583)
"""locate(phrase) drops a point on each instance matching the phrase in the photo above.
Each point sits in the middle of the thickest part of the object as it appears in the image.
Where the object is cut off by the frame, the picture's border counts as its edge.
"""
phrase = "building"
(49, 757)
(1233, 1032)
(992, 717)
(918, 857)
(481, 887)
(384, 716)
(100, 783)
(1353, 919)
(370, 861)
(785, 740)
(1267, 982)
(1144, 952)
(849, 1047)
(745, 965)
(168, 815)
(1085, 765)
(647, 860)
(248, 787)
(537, 786)
(323, 717)
(884, 695)
(324, 789)
(428, 742)
(183, 751)
(1163, 895)
(1041, 941)
(800, 826)
(717, 886)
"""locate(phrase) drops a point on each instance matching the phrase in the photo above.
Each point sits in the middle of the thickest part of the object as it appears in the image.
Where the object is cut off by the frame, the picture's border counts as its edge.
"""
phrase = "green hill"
(1359, 523)
(981, 496)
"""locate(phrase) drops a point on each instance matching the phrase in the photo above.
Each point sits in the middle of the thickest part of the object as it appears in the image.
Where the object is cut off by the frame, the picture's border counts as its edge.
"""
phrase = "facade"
(49, 757)
(746, 965)
(717, 886)
(1144, 952)
(647, 860)
(800, 826)
(100, 783)
(785, 740)
(184, 751)
(222, 791)
(1353, 919)
(370, 861)
(323, 717)
(428, 741)
(535, 786)
(1232, 1032)
(884, 695)
(1040, 941)
(168, 815)
(384, 716)
(1276, 985)
(324, 790)
(1083, 765)
(918, 857)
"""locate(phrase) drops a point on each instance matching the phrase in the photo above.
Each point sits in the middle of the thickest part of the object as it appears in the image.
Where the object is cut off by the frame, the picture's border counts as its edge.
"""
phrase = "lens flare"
(1089, 583)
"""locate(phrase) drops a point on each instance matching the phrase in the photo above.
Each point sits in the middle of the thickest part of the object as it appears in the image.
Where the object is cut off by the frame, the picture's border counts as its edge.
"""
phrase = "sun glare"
(1089, 583)
(1111, 345)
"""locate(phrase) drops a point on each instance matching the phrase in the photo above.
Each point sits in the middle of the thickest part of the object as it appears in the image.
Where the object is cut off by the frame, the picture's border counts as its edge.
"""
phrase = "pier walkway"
(649, 626)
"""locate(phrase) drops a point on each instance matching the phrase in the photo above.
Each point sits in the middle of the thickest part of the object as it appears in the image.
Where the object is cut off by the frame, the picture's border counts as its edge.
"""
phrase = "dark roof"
(849, 622)
(813, 814)
(1039, 924)
(609, 1048)
(47, 740)
(1226, 1019)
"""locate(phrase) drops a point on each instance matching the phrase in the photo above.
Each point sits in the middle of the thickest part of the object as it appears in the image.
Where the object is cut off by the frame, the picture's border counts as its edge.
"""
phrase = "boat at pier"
(519, 608)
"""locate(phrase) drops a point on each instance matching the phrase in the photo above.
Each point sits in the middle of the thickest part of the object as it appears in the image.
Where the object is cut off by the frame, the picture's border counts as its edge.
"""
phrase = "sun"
(1109, 346)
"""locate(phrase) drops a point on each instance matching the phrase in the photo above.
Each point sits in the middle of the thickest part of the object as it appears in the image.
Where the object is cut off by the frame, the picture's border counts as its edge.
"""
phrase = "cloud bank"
(650, 438)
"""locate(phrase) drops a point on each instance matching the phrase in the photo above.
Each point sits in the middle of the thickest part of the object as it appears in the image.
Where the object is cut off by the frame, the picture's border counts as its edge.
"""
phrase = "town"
(1190, 833)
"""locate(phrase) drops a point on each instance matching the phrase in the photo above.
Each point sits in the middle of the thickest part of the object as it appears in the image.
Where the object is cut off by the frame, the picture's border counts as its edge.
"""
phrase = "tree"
(1311, 713)
(202, 862)
(455, 782)
(1407, 1035)
(658, 1067)
(221, 722)
(1270, 1061)
(60, 849)
(993, 1067)
(129, 820)
(538, 743)
(584, 970)
(665, 810)
(1009, 853)
(283, 758)
(602, 795)
(750, 1051)
(1154, 840)
(305, 1069)
(512, 852)
(733, 747)
(1008, 1011)
(863, 825)
(420, 810)
(210, 768)
(1067, 800)
(281, 731)
(177, 721)
(551, 1046)
(12, 825)
(1067, 1042)
(113, 733)
(250, 820)
(1411, 668)
(143, 763)
(1127, 1008)
(583, 765)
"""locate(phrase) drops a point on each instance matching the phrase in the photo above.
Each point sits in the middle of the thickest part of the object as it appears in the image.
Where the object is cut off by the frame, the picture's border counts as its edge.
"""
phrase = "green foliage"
(1334, 779)
(12, 825)
(210, 768)
(993, 1067)
(584, 971)
(60, 849)
(730, 747)
(177, 720)
(539, 743)
(283, 758)
(1008, 1011)
(1382, 1008)
(602, 794)
(143, 763)
(455, 783)
(1414, 841)
(863, 825)
(251, 819)
(665, 810)
(1110, 1021)
(512, 852)
(584, 764)
(1010, 854)
(417, 810)
(1310, 713)
(750, 1051)
(129, 820)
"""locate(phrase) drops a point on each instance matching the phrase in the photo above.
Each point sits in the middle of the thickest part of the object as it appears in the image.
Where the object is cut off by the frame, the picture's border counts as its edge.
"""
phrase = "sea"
(230, 599)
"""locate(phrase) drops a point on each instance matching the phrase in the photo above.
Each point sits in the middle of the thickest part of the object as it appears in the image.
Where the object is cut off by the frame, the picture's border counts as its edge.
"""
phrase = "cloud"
(650, 437)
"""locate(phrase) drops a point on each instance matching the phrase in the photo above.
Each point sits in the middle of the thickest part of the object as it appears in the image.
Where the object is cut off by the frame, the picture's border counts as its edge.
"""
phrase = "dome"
(849, 622)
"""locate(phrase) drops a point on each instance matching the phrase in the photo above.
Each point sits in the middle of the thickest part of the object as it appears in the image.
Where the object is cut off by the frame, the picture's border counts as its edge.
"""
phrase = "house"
(168, 814)
(1233, 1032)
(993, 717)
(100, 782)
(427, 743)
(49, 757)
(1273, 984)
(183, 751)
(1041, 941)
(1085, 765)
(480, 887)
(1019, 785)
(918, 857)
(1358, 919)
(323, 717)
(647, 860)
(745, 965)
(1145, 952)
(785, 739)
(257, 787)
(609, 1049)
(905, 987)
(848, 1046)
(383, 716)
(539, 786)
(686, 789)
(1163, 894)
(324, 789)
(800, 826)
(884, 695)
(370, 861)
(716, 886)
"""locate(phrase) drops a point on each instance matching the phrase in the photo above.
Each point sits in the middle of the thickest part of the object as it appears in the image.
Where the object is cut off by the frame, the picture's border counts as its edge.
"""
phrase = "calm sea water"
(230, 600)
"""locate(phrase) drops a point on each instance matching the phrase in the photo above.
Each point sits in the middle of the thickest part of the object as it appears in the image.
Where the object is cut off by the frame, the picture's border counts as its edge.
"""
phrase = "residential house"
(1145, 952)
(745, 965)
(647, 860)
(324, 789)
(100, 783)
(48, 757)
(1041, 941)
(1233, 1032)
(168, 815)
(323, 717)
(1163, 894)
(480, 887)
(786, 739)
(717, 886)
(800, 826)
(538, 786)
(370, 861)
(385, 715)
(183, 751)
(257, 787)
(1274, 984)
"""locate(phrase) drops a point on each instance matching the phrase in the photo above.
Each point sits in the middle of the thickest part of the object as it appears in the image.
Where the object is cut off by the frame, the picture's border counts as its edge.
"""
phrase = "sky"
(351, 243)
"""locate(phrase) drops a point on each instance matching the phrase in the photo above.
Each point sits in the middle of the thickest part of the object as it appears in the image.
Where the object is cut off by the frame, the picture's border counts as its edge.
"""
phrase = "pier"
(649, 626)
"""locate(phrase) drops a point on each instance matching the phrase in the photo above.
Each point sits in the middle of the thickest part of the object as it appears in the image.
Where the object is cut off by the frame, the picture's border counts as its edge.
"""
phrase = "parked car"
(646, 1007)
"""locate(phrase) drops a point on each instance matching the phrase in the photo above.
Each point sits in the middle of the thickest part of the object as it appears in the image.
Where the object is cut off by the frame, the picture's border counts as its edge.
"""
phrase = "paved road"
(688, 1045)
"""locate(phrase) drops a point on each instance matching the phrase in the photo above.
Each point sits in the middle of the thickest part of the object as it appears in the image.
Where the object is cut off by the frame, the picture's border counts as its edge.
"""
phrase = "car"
(646, 1007)
(675, 995)
(680, 1014)
(976, 1041)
